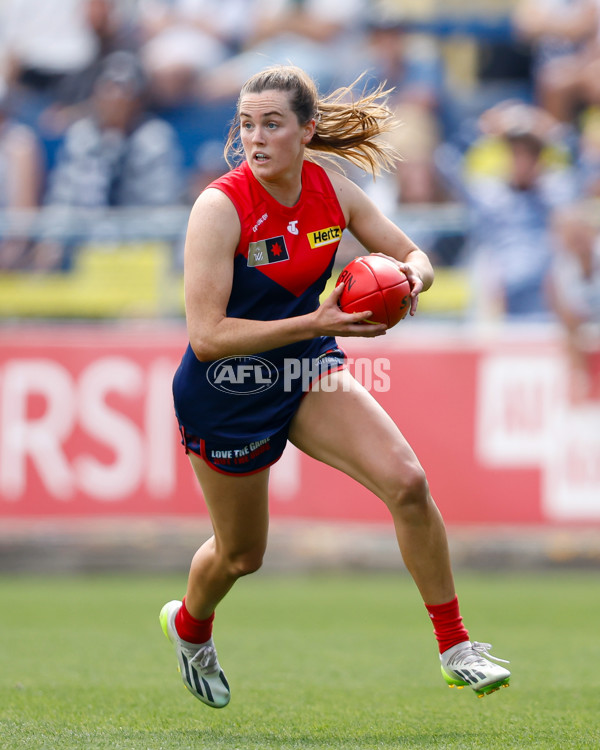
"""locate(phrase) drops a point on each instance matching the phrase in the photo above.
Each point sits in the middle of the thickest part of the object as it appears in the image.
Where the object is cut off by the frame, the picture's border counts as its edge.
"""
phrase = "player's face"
(272, 138)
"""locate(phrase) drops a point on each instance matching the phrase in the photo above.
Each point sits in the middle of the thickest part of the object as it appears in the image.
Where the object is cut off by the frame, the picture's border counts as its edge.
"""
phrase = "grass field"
(341, 662)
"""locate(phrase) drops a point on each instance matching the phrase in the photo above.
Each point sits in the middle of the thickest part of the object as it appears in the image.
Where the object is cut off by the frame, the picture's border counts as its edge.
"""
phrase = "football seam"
(382, 291)
(387, 312)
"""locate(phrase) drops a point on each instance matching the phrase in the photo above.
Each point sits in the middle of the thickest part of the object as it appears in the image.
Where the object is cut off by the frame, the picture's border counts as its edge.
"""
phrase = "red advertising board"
(87, 429)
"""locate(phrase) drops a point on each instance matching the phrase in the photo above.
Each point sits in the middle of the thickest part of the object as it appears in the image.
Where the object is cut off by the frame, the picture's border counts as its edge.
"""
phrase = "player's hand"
(330, 320)
(414, 279)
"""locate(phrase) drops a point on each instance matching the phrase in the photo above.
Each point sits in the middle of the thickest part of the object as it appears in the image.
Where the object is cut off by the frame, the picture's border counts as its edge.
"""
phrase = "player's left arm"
(378, 234)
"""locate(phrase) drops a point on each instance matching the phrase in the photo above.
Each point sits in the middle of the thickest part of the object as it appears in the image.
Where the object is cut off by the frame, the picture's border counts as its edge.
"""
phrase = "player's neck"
(284, 189)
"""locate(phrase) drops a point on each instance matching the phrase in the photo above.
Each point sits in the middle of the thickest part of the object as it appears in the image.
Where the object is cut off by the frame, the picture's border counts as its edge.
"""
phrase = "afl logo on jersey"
(272, 250)
(242, 376)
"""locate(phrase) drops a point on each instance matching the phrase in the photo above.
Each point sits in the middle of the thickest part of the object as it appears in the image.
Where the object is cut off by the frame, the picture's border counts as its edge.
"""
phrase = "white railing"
(111, 263)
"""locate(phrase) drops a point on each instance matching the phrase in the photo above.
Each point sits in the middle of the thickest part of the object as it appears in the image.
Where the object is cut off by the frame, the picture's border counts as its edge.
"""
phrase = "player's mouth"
(260, 157)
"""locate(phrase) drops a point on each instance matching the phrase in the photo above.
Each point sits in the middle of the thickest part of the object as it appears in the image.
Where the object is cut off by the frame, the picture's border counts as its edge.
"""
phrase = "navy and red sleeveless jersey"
(285, 254)
(281, 265)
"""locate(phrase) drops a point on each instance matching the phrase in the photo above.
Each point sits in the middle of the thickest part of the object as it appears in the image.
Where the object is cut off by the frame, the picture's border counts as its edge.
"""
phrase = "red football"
(377, 284)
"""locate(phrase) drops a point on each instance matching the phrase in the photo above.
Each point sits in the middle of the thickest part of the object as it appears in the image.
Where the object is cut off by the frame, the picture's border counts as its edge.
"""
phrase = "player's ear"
(309, 131)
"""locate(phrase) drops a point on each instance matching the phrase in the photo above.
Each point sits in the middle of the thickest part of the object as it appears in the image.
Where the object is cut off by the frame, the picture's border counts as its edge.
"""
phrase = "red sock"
(190, 629)
(447, 624)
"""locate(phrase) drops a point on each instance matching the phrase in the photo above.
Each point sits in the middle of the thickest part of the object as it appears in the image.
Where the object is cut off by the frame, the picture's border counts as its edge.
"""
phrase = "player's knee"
(245, 564)
(407, 489)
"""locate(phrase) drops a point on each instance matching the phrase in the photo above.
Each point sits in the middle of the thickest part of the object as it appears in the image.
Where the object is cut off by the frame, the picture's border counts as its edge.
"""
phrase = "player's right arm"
(212, 237)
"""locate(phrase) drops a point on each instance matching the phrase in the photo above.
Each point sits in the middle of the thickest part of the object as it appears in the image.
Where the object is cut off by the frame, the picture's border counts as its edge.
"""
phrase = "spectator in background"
(564, 35)
(209, 164)
(511, 205)
(112, 30)
(324, 37)
(21, 171)
(42, 42)
(567, 37)
(574, 286)
(118, 155)
(183, 39)
(409, 64)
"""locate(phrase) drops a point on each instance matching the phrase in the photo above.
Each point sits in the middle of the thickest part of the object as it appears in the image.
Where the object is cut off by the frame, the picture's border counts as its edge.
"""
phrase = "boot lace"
(476, 652)
(205, 659)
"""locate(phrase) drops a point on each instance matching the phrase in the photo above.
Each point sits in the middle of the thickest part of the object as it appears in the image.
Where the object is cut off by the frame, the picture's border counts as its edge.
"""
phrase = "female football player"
(260, 247)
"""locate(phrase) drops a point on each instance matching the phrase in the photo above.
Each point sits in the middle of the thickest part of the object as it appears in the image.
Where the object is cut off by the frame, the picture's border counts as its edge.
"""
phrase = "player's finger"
(337, 292)
(368, 330)
(362, 316)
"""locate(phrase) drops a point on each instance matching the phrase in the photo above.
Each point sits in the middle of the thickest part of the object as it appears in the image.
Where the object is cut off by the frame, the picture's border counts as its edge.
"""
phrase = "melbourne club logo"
(242, 375)
(268, 251)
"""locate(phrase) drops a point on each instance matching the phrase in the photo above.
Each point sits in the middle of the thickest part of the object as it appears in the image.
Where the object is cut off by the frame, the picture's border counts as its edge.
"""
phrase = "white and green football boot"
(198, 663)
(468, 665)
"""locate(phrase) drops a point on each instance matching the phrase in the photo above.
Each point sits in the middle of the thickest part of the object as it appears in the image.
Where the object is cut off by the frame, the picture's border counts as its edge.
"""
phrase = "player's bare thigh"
(344, 426)
(238, 506)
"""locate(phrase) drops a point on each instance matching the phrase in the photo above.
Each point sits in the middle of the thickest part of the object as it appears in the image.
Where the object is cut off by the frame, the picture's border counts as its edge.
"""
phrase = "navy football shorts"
(250, 455)
(242, 458)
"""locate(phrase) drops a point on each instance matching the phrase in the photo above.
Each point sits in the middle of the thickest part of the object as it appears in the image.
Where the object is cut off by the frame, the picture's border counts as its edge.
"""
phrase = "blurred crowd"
(107, 103)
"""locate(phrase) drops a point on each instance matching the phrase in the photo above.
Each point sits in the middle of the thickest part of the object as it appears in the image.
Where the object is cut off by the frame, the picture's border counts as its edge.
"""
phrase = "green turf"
(341, 662)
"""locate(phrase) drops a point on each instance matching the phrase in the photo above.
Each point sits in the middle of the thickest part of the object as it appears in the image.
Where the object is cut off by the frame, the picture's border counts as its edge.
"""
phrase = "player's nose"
(258, 135)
